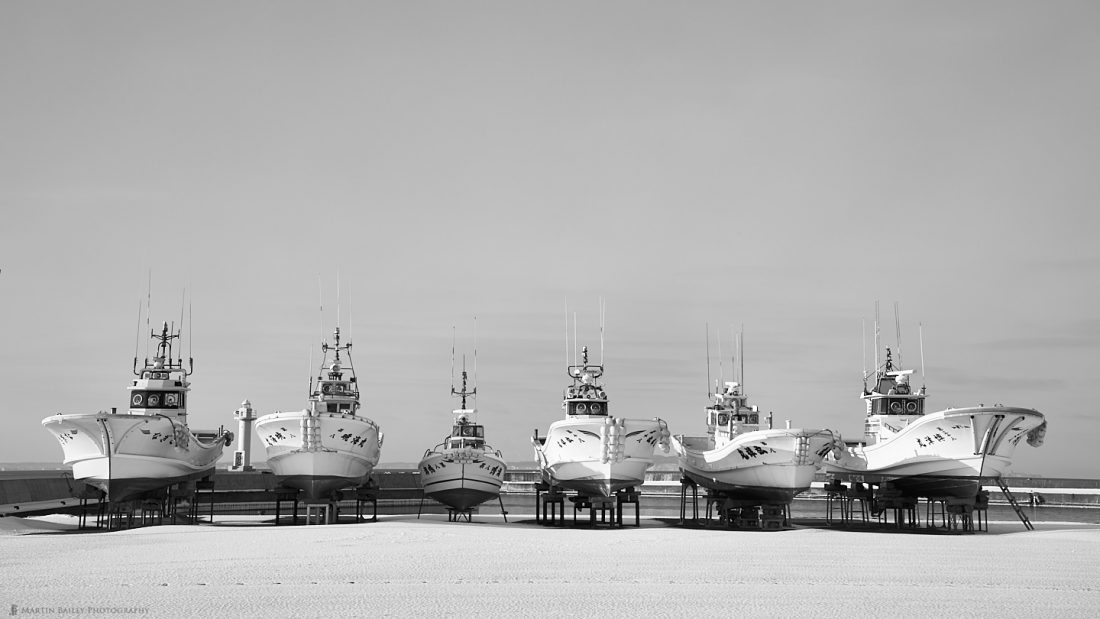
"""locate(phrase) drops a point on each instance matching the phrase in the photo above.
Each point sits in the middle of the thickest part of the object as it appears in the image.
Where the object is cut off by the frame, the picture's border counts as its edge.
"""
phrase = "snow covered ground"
(401, 566)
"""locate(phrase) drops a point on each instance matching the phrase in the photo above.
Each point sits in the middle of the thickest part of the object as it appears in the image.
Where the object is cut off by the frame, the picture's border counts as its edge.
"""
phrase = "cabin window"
(156, 399)
(897, 406)
(723, 419)
(587, 408)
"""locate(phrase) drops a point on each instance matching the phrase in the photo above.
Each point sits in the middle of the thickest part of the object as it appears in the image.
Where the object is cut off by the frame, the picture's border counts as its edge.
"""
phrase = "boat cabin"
(585, 396)
(161, 386)
(466, 433)
(896, 406)
(146, 398)
(730, 413)
(334, 394)
(720, 417)
(585, 399)
(892, 404)
(893, 395)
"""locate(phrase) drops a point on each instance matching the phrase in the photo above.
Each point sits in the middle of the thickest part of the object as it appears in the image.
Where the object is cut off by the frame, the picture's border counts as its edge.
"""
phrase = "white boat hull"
(771, 466)
(584, 454)
(945, 453)
(127, 456)
(343, 454)
(462, 479)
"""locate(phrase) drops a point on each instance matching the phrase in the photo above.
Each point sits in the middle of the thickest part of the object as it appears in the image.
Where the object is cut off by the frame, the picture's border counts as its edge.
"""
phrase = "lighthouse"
(242, 458)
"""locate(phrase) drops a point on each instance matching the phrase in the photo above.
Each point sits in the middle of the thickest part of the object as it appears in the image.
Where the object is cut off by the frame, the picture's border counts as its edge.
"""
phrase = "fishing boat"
(327, 446)
(591, 451)
(939, 454)
(744, 458)
(148, 448)
(463, 471)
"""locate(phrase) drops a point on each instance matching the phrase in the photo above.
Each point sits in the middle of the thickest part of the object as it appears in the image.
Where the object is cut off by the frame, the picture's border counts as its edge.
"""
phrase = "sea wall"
(23, 492)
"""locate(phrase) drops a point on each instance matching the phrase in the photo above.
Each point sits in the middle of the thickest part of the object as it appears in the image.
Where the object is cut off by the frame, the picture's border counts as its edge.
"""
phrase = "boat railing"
(442, 447)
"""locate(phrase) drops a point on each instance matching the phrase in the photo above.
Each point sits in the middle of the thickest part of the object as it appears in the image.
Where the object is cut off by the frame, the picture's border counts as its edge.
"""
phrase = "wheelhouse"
(141, 398)
(585, 396)
(725, 417)
(586, 407)
(347, 408)
(896, 406)
(730, 411)
(334, 393)
(466, 435)
(161, 386)
(892, 393)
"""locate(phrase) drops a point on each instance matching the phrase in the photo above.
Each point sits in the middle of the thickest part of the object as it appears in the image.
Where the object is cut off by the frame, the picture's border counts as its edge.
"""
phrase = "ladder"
(1015, 505)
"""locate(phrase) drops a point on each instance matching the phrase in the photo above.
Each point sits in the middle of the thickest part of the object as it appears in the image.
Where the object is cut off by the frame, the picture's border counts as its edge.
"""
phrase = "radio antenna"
(320, 307)
(603, 314)
(566, 332)
(741, 355)
(475, 361)
(137, 334)
(183, 299)
(733, 357)
(148, 306)
(708, 358)
(721, 369)
(574, 338)
(897, 330)
(863, 332)
(876, 338)
(923, 379)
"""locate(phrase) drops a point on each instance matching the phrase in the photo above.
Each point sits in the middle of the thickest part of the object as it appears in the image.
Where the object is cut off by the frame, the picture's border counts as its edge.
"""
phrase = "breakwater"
(28, 492)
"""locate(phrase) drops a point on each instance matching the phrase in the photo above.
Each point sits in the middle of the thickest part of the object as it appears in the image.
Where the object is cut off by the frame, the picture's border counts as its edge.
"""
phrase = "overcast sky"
(777, 165)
